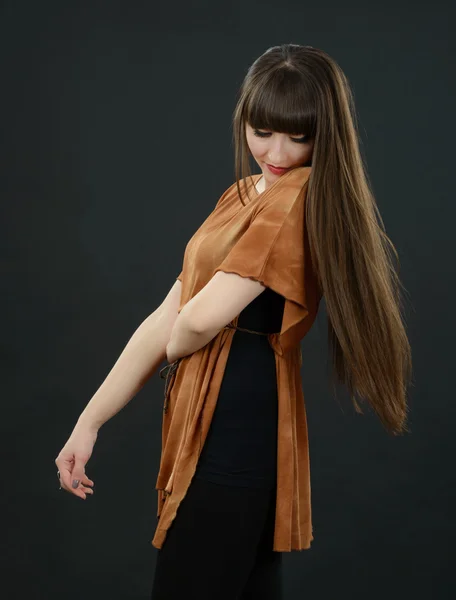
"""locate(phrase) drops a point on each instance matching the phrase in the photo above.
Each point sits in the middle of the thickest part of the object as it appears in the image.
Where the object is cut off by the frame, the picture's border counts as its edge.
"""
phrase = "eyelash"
(262, 134)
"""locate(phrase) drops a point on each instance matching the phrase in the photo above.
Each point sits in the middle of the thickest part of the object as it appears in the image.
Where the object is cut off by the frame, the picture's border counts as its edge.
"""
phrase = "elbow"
(195, 327)
(190, 321)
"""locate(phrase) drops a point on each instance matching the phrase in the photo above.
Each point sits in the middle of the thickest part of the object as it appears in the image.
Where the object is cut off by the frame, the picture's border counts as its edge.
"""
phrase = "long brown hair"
(300, 89)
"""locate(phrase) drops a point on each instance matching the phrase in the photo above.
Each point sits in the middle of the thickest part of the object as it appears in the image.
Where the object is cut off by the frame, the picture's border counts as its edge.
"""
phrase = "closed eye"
(263, 134)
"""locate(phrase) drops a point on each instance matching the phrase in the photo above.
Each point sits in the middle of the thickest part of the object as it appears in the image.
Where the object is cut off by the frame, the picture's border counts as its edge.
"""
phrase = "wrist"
(86, 422)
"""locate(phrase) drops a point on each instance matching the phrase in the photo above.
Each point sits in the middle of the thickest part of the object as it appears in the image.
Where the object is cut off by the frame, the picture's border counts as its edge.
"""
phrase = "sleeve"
(218, 205)
(274, 250)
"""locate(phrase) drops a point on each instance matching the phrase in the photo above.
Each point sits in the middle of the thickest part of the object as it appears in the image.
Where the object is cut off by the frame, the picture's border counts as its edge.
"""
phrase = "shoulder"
(232, 191)
(286, 193)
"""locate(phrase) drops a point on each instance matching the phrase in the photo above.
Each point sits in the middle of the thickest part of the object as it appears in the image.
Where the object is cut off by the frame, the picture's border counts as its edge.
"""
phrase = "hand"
(72, 459)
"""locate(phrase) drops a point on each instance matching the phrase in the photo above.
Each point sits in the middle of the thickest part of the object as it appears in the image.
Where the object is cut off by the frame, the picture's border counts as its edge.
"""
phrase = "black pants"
(219, 546)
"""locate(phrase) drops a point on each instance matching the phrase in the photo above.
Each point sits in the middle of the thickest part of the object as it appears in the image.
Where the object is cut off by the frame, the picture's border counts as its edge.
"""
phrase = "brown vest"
(265, 240)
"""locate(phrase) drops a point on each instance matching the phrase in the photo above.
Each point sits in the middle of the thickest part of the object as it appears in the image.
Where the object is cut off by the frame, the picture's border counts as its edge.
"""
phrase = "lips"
(276, 170)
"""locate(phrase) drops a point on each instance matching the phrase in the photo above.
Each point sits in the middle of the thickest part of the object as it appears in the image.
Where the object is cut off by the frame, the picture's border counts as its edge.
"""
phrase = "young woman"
(234, 480)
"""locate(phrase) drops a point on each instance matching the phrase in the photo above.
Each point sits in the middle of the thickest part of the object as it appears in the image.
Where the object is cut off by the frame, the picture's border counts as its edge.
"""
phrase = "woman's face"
(278, 150)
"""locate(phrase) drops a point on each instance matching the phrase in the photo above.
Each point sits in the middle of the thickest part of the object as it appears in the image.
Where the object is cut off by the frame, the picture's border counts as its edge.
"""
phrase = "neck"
(261, 185)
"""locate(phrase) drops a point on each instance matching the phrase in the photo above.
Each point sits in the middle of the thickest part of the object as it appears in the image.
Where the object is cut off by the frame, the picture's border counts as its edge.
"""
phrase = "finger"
(69, 471)
(79, 491)
(78, 473)
(66, 479)
(75, 491)
(87, 490)
(82, 490)
(86, 485)
(65, 467)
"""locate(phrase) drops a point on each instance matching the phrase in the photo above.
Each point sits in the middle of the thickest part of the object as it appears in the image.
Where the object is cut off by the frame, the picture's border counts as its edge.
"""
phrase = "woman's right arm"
(141, 357)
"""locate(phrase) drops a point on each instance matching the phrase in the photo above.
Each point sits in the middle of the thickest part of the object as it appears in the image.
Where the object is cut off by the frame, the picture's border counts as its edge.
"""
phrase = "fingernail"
(75, 483)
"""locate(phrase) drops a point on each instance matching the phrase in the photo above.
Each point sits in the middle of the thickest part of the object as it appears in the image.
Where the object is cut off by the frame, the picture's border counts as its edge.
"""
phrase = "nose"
(276, 153)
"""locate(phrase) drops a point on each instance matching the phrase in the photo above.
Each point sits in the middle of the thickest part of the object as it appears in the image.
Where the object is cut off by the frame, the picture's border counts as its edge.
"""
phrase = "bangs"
(283, 103)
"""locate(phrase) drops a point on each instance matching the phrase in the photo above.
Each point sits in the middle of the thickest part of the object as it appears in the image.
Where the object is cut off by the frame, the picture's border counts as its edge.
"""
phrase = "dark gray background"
(116, 145)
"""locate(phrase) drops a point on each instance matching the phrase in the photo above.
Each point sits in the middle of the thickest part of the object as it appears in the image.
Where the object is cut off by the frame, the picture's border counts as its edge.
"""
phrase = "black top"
(241, 445)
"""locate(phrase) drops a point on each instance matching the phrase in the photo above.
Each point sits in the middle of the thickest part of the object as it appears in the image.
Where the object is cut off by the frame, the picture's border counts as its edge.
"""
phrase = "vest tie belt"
(168, 372)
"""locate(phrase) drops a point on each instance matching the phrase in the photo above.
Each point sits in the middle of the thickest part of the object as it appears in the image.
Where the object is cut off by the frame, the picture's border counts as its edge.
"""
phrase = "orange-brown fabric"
(265, 240)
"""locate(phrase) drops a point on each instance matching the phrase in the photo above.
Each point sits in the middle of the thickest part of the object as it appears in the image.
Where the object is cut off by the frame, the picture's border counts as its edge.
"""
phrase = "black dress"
(219, 545)
(241, 445)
